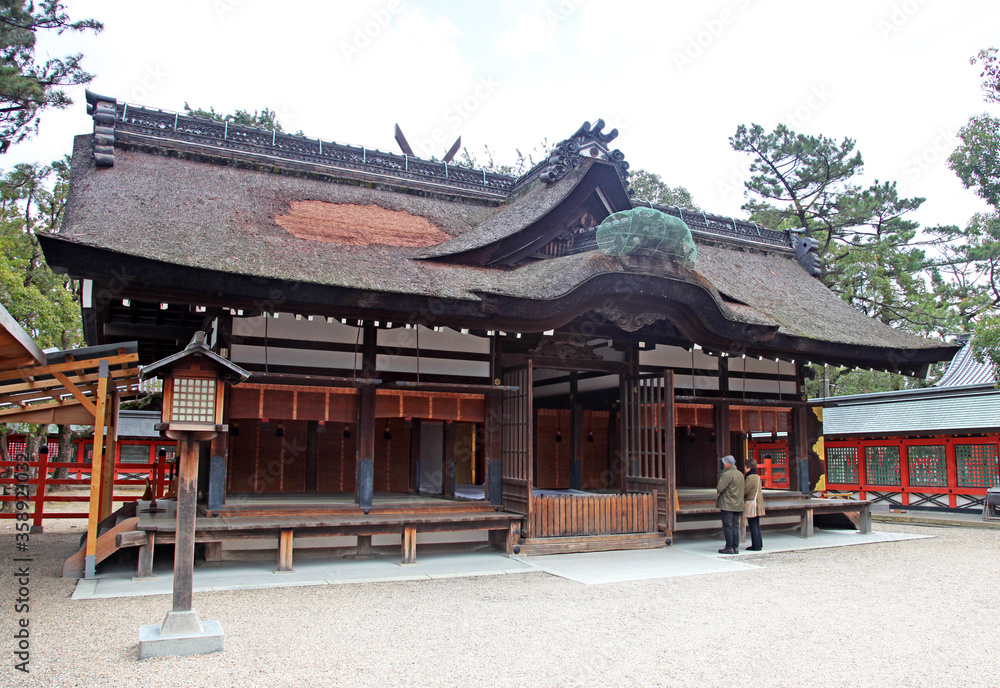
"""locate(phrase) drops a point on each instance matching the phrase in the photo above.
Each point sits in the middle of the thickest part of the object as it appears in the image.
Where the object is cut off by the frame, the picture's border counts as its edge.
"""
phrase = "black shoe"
(727, 550)
(754, 549)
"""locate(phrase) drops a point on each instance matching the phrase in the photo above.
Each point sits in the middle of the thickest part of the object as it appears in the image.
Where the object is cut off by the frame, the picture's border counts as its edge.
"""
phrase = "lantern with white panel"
(194, 387)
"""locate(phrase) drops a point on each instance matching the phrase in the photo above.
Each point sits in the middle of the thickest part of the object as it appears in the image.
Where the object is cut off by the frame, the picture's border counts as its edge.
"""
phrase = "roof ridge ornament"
(104, 111)
(587, 141)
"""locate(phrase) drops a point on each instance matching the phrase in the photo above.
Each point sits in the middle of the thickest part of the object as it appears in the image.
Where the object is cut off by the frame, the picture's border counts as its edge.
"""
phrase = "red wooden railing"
(37, 478)
(946, 472)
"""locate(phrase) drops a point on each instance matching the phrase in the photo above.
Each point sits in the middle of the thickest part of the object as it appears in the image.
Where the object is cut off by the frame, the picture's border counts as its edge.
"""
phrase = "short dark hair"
(752, 464)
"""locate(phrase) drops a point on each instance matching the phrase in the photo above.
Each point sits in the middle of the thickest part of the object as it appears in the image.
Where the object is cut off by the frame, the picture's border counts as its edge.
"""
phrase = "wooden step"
(591, 543)
(106, 546)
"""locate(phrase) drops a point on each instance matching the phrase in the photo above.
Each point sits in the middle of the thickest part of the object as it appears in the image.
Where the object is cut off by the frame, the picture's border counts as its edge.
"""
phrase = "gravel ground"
(913, 613)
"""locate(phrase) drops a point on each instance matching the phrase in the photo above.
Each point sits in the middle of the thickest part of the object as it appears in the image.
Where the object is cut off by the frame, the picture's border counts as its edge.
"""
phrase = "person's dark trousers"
(756, 540)
(731, 528)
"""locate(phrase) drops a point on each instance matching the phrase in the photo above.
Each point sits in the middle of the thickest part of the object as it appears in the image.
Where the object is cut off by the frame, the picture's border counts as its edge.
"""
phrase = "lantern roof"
(230, 372)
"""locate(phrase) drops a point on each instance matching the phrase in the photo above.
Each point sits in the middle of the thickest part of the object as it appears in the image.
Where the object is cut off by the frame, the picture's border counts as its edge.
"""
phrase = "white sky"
(676, 78)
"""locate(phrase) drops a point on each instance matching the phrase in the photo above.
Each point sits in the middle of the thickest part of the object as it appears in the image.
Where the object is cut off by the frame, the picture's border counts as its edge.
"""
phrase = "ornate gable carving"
(587, 141)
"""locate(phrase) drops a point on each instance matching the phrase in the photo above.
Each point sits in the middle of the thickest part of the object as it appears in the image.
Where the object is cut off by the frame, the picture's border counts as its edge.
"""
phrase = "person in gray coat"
(730, 503)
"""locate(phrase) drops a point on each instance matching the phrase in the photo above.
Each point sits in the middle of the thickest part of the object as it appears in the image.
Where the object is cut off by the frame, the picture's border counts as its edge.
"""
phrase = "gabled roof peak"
(589, 141)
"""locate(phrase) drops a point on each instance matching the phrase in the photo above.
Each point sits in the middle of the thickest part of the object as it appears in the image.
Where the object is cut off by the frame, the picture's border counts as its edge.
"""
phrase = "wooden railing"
(28, 484)
(593, 514)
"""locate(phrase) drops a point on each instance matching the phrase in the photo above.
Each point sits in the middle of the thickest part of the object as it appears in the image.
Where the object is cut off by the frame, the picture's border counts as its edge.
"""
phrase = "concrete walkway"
(689, 556)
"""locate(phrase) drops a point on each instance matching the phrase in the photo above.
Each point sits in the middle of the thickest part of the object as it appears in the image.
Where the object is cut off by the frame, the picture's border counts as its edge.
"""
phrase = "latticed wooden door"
(648, 440)
(516, 442)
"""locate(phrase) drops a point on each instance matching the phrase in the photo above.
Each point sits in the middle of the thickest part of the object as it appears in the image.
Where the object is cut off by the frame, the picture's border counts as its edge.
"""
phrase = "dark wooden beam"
(576, 437)
(448, 461)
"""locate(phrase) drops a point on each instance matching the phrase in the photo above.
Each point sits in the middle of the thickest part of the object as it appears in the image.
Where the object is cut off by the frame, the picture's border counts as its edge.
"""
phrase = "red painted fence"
(946, 472)
(135, 462)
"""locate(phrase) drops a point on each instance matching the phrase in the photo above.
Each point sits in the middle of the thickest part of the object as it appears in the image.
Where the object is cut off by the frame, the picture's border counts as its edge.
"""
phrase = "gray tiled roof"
(964, 369)
(972, 408)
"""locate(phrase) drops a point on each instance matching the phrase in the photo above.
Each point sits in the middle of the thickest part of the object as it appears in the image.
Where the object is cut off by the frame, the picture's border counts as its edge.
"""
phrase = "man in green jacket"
(730, 502)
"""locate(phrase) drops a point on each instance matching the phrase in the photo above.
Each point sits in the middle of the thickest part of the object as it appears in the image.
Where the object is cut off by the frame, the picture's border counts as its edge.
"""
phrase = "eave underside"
(668, 311)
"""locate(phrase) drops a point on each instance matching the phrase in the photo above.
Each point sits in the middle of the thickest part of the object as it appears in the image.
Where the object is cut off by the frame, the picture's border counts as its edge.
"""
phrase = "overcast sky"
(675, 78)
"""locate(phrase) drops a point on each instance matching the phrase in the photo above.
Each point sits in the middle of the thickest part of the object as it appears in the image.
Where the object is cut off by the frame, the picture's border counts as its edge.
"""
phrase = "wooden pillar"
(219, 462)
(798, 441)
(285, 544)
(312, 468)
(448, 461)
(669, 423)
(188, 451)
(576, 435)
(96, 464)
(364, 484)
(108, 471)
(491, 446)
(145, 569)
(723, 445)
(415, 456)
(409, 544)
(364, 546)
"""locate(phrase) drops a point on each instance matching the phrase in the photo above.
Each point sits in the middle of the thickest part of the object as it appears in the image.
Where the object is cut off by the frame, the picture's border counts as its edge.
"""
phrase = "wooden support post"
(312, 468)
(364, 548)
(364, 484)
(494, 466)
(448, 461)
(576, 435)
(723, 444)
(415, 456)
(213, 551)
(409, 544)
(807, 523)
(670, 435)
(513, 535)
(145, 569)
(798, 451)
(285, 545)
(94, 517)
(866, 520)
(187, 492)
(43, 477)
(108, 467)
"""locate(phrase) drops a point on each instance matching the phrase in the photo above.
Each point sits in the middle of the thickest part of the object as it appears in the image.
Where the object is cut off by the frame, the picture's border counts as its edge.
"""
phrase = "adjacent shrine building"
(429, 340)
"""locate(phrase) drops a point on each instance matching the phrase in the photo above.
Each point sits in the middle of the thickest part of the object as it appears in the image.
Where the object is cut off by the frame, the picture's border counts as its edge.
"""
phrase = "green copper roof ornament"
(647, 232)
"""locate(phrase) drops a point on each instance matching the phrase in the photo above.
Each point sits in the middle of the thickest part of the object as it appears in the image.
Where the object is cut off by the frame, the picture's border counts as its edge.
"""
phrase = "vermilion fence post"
(43, 475)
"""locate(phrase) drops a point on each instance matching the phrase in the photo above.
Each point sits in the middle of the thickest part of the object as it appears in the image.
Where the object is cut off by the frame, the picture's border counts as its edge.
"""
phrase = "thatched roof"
(177, 205)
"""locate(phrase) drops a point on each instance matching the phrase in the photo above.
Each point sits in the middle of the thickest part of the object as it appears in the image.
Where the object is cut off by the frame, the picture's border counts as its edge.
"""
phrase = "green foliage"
(28, 86)
(986, 343)
(989, 58)
(264, 119)
(32, 199)
(649, 186)
(869, 250)
(976, 160)
(832, 381)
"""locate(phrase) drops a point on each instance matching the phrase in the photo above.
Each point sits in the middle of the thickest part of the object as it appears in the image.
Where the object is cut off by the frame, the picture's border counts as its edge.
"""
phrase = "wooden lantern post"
(194, 384)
